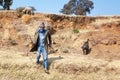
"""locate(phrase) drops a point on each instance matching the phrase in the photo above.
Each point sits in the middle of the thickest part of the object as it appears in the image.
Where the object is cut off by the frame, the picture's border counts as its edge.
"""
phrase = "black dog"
(85, 47)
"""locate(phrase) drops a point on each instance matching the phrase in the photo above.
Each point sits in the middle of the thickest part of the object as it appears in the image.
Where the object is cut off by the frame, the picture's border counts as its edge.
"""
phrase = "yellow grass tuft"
(26, 18)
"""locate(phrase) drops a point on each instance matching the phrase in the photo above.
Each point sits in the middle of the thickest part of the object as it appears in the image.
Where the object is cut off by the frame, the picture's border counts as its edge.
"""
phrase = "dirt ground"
(66, 59)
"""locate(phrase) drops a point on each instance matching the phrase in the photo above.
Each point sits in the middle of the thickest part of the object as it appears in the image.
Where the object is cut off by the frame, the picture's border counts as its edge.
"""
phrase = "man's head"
(42, 26)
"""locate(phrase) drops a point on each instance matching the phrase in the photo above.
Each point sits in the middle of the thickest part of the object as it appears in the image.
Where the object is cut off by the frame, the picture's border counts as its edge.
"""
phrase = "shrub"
(75, 31)
(19, 11)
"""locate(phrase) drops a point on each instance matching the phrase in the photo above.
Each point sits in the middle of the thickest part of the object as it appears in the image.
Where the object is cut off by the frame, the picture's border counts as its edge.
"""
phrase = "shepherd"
(41, 42)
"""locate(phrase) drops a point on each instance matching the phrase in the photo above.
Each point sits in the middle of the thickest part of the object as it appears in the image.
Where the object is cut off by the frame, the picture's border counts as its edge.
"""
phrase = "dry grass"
(15, 65)
(26, 18)
(100, 22)
(74, 67)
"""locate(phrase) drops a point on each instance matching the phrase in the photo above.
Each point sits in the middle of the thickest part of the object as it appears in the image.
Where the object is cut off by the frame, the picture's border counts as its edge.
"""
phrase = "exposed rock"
(105, 42)
(65, 51)
(112, 42)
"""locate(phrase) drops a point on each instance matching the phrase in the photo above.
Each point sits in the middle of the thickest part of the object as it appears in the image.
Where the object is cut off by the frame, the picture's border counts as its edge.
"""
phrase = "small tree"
(6, 4)
(77, 7)
(1, 2)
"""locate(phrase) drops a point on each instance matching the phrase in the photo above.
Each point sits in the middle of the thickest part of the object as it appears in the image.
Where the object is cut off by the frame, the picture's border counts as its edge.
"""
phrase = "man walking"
(41, 43)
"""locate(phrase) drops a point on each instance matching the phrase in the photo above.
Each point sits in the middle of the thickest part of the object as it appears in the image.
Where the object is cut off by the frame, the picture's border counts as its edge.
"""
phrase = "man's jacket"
(36, 39)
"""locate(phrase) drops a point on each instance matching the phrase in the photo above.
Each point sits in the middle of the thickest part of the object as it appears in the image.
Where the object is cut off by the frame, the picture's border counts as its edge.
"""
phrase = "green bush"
(75, 31)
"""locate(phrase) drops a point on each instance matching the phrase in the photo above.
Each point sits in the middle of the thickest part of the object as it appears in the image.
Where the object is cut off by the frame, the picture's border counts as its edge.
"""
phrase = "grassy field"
(16, 65)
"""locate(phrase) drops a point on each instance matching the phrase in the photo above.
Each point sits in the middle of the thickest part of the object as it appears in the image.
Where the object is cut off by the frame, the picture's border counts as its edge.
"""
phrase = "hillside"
(66, 60)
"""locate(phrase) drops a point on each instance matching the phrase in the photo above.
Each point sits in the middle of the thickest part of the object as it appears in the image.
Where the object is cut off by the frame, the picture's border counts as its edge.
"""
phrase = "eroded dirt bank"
(66, 59)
